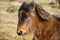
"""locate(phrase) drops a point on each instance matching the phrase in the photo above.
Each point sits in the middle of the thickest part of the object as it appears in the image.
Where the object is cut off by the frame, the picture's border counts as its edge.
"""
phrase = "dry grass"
(8, 22)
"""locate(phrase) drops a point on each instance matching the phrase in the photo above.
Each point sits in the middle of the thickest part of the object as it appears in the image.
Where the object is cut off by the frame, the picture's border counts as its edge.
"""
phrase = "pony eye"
(24, 15)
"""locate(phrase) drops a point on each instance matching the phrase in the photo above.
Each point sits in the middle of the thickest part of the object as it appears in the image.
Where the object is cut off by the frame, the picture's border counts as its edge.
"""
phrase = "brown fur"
(42, 24)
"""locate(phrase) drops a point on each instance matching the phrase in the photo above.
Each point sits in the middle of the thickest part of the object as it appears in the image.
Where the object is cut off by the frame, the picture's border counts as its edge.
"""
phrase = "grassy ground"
(9, 20)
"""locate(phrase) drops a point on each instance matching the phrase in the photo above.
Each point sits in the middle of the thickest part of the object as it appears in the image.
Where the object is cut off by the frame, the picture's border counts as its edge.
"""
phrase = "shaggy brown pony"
(34, 19)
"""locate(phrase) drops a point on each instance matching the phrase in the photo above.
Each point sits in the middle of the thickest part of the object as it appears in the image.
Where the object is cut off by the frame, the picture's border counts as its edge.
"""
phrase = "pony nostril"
(19, 32)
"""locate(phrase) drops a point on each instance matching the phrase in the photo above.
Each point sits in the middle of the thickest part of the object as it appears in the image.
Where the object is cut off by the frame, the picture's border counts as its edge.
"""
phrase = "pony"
(32, 18)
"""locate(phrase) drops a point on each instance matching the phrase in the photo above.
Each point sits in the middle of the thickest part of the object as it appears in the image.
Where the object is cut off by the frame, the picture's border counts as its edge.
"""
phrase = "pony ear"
(23, 5)
(42, 13)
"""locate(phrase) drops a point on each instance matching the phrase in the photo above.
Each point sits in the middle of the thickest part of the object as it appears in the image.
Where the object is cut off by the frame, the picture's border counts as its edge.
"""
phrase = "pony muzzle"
(20, 32)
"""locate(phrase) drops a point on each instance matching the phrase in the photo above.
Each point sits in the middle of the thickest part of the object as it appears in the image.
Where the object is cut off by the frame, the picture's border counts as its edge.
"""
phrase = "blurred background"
(9, 17)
